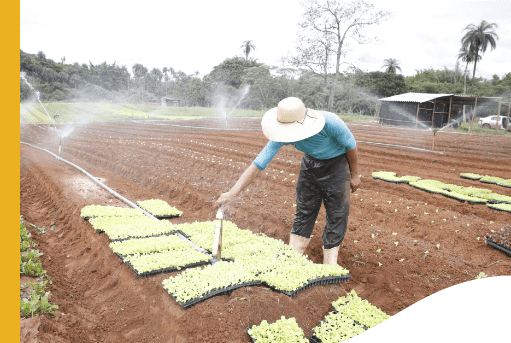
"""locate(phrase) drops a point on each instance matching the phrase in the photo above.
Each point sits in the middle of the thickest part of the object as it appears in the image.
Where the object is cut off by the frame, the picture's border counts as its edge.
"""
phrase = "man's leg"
(308, 203)
(336, 197)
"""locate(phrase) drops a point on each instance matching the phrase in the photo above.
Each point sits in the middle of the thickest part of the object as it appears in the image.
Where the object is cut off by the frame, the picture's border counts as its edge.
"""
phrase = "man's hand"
(225, 197)
(354, 183)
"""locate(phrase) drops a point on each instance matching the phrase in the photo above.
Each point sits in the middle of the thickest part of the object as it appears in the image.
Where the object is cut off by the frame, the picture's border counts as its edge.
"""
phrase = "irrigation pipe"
(111, 191)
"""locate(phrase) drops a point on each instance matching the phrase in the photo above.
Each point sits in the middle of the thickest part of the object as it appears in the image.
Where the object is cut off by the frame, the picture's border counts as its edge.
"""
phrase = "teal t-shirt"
(330, 142)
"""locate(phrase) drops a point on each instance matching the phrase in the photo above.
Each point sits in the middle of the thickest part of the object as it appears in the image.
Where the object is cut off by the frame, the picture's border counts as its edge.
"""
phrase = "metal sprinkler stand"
(434, 135)
(217, 243)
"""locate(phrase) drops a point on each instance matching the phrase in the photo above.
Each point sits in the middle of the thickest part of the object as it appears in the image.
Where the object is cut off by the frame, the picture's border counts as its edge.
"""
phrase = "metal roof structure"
(415, 97)
(430, 110)
(424, 97)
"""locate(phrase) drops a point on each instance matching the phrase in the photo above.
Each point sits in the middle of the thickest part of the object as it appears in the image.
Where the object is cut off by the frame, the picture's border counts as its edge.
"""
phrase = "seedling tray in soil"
(425, 190)
(248, 328)
(490, 182)
(315, 282)
(163, 234)
(396, 182)
(499, 209)
(314, 339)
(470, 178)
(160, 217)
(252, 339)
(222, 291)
(164, 270)
(497, 246)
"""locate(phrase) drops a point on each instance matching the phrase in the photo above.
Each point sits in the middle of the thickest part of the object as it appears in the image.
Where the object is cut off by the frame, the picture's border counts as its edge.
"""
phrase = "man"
(330, 155)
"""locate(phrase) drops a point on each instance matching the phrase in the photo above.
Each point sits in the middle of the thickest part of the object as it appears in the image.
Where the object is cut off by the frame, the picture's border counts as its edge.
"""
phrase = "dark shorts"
(326, 181)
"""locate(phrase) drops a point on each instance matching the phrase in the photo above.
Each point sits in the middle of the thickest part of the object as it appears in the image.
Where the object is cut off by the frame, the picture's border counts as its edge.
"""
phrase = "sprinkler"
(217, 243)
(60, 145)
(434, 135)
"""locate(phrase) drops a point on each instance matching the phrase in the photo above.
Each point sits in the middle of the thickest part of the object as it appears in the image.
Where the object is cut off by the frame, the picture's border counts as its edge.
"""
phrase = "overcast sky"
(196, 35)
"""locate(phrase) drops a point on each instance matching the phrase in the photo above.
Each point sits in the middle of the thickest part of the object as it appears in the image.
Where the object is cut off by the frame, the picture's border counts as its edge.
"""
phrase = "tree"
(478, 38)
(334, 23)
(230, 71)
(392, 65)
(247, 47)
(63, 59)
(467, 55)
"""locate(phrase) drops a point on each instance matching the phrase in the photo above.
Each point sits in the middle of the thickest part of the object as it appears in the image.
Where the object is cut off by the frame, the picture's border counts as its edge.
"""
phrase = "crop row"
(487, 179)
(471, 194)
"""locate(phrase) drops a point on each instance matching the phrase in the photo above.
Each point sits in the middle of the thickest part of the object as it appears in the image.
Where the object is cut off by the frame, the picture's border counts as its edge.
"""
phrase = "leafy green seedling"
(396, 243)
(379, 250)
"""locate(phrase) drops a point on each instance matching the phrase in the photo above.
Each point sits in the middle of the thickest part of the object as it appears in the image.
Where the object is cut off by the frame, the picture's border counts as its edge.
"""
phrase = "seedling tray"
(164, 270)
(501, 210)
(222, 291)
(160, 217)
(396, 182)
(314, 339)
(163, 234)
(470, 178)
(248, 328)
(315, 282)
(425, 190)
(503, 248)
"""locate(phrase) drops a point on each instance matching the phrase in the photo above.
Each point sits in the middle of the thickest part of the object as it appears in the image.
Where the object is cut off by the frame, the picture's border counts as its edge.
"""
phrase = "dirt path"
(101, 299)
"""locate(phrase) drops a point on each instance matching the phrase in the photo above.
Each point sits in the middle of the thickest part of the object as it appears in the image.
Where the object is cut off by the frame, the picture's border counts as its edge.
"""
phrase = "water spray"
(22, 75)
(242, 96)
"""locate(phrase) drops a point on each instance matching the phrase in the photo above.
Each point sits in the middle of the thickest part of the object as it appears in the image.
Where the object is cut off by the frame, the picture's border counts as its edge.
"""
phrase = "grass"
(88, 112)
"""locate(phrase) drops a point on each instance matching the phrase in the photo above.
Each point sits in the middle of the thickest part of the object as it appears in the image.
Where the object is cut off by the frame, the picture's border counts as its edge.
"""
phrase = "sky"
(196, 35)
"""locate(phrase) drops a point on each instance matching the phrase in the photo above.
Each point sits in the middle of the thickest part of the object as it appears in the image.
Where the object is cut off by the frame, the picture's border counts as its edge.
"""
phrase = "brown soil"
(101, 299)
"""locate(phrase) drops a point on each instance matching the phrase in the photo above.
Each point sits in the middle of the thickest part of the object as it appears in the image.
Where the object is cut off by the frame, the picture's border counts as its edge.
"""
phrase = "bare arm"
(245, 179)
(352, 156)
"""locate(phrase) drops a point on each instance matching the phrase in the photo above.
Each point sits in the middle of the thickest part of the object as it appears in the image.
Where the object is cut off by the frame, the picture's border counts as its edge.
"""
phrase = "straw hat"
(290, 121)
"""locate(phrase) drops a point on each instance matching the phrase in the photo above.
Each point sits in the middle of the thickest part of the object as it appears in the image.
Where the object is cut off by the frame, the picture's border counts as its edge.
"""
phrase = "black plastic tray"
(315, 282)
(498, 209)
(470, 178)
(497, 246)
(222, 291)
(489, 182)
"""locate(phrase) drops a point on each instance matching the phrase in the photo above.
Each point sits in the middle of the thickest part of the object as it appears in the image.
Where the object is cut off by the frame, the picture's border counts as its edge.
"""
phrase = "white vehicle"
(491, 121)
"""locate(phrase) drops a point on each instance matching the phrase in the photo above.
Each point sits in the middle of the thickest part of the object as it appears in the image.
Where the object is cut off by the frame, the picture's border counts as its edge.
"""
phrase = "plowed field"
(102, 300)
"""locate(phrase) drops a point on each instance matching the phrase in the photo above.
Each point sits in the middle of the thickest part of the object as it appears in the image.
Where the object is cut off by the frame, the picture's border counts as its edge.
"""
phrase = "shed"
(170, 101)
(426, 110)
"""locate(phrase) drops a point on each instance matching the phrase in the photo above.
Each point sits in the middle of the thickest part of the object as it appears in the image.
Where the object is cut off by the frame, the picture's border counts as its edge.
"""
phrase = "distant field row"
(76, 112)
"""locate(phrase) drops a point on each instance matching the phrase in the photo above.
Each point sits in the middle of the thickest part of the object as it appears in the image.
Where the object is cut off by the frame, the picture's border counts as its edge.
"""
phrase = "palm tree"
(468, 56)
(391, 64)
(247, 46)
(478, 37)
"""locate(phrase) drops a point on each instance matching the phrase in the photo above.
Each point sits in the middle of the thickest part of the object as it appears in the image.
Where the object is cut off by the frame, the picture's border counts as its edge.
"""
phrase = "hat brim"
(291, 132)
